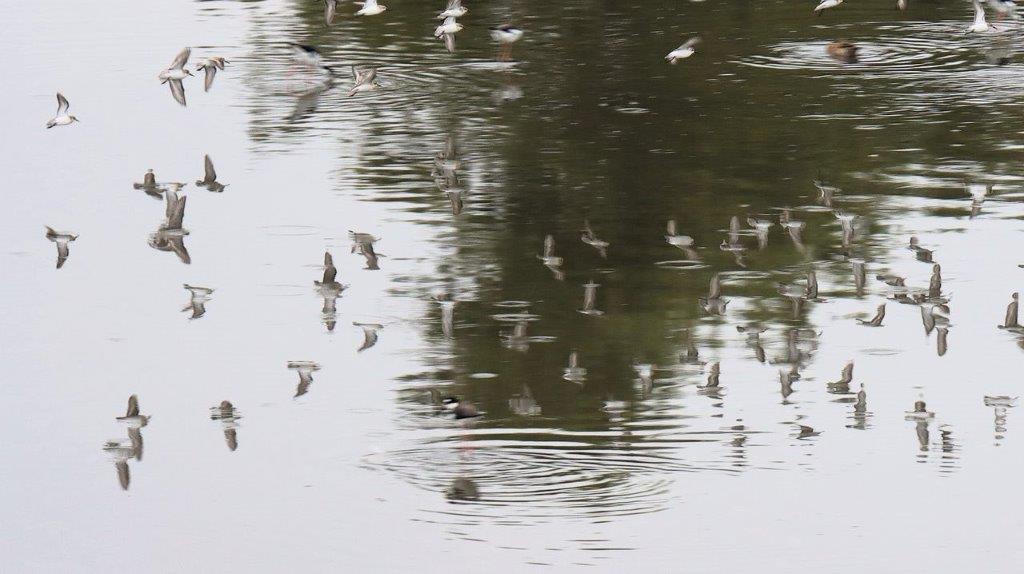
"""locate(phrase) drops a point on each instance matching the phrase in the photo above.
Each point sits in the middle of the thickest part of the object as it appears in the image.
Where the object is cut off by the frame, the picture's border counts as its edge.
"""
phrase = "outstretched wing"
(177, 91)
(180, 60)
(210, 175)
(211, 71)
(62, 104)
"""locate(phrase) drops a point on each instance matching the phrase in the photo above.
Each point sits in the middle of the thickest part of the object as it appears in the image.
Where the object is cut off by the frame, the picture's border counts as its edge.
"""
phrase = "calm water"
(597, 470)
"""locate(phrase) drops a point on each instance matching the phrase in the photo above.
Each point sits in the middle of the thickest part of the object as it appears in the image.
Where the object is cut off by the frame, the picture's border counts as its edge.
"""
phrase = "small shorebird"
(175, 73)
(370, 8)
(454, 9)
(588, 236)
(548, 256)
(209, 180)
(448, 26)
(210, 66)
(714, 303)
(1010, 321)
(506, 35)
(825, 5)
(369, 334)
(684, 242)
(683, 51)
(875, 321)
(197, 301)
(365, 80)
(590, 299)
(843, 384)
(132, 416)
(305, 370)
(921, 253)
(228, 416)
(330, 289)
(980, 25)
(61, 239)
(574, 373)
(62, 118)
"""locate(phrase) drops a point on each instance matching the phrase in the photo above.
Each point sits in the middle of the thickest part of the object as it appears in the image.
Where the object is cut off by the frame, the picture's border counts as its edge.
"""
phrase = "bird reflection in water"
(198, 296)
(445, 174)
(999, 405)
(123, 450)
(170, 236)
(462, 490)
(305, 370)
(209, 180)
(369, 334)
(363, 243)
(447, 304)
(860, 414)
(524, 404)
(228, 416)
(573, 372)
(330, 290)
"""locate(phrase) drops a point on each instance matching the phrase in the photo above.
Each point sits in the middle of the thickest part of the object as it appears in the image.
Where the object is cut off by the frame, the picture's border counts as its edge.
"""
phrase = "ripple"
(919, 47)
(682, 264)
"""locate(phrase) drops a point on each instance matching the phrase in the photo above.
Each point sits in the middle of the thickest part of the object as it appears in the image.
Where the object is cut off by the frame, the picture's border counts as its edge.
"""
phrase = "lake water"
(628, 464)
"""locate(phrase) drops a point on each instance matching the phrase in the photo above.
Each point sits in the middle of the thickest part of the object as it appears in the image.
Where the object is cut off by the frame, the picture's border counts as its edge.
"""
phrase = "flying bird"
(683, 51)
(62, 118)
(175, 73)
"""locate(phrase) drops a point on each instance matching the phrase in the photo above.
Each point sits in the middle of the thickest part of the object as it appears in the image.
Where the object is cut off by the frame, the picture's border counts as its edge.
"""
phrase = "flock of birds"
(933, 304)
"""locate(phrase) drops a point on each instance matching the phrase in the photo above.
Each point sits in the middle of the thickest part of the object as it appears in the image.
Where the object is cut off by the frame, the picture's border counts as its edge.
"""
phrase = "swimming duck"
(462, 410)
(842, 50)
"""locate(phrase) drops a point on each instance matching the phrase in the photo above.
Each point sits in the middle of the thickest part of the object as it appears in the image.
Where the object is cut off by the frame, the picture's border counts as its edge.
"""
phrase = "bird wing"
(133, 406)
(715, 289)
(180, 60)
(670, 229)
(549, 246)
(62, 104)
(449, 42)
(177, 91)
(690, 43)
(209, 174)
(177, 216)
(211, 71)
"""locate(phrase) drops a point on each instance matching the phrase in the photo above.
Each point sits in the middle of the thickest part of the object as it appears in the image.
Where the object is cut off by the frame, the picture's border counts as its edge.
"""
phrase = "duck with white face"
(461, 409)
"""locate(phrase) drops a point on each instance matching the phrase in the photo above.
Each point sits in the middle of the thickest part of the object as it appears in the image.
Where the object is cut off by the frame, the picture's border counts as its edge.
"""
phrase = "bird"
(683, 242)
(574, 373)
(132, 416)
(892, 280)
(197, 301)
(714, 303)
(935, 283)
(461, 409)
(62, 118)
(330, 289)
(590, 299)
(876, 321)
(842, 50)
(714, 371)
(365, 80)
(506, 35)
(369, 334)
(305, 370)
(175, 73)
(209, 66)
(462, 489)
(307, 55)
(1010, 321)
(330, 9)
(228, 416)
(685, 50)
(448, 26)
(170, 236)
(980, 25)
(761, 228)
(548, 256)
(150, 186)
(370, 8)
(825, 5)
(209, 180)
(61, 238)
(921, 253)
(843, 384)
(587, 236)
(454, 9)
(920, 412)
